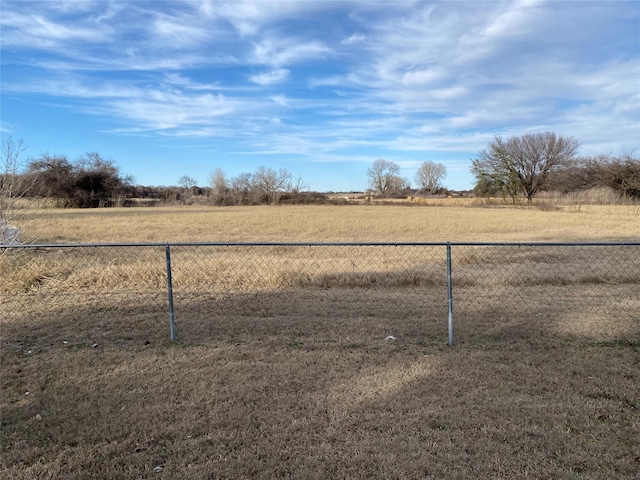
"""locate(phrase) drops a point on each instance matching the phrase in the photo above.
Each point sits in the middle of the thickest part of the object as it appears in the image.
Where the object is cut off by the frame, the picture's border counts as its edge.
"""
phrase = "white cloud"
(271, 77)
(515, 21)
(178, 32)
(286, 51)
(163, 110)
(250, 17)
(423, 76)
(280, 100)
(332, 81)
(37, 31)
(354, 39)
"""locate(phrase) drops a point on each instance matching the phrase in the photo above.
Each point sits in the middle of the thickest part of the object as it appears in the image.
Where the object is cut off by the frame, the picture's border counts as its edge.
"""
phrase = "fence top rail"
(324, 244)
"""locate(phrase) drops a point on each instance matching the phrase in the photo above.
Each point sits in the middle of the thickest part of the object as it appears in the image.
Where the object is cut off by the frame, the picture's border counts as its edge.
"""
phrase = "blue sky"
(321, 88)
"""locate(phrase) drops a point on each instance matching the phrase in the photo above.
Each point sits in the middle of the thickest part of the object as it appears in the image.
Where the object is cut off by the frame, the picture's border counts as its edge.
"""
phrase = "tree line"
(94, 181)
(520, 167)
(513, 168)
(264, 186)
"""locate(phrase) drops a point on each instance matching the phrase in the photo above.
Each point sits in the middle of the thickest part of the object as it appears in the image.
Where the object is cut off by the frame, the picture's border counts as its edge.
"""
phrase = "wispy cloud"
(249, 18)
(271, 77)
(354, 39)
(37, 31)
(332, 80)
(287, 51)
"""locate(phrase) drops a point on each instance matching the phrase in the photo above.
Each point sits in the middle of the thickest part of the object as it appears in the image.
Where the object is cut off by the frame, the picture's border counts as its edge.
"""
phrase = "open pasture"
(282, 368)
(351, 223)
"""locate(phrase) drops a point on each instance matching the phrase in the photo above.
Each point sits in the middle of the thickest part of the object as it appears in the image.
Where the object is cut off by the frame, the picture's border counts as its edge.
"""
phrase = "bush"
(89, 182)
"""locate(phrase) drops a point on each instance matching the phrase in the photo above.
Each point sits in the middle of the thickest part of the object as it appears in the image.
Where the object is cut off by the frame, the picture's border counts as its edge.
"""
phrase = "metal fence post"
(172, 322)
(450, 293)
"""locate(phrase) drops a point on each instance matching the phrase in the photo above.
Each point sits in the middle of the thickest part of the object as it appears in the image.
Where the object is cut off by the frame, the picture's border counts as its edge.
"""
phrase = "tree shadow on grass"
(534, 315)
(543, 314)
(303, 384)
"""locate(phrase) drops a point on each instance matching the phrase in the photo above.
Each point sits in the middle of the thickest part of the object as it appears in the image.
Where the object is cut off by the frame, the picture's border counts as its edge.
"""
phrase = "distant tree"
(383, 176)
(90, 181)
(220, 190)
(398, 186)
(270, 183)
(187, 182)
(242, 189)
(575, 177)
(13, 183)
(53, 177)
(98, 182)
(621, 173)
(265, 185)
(296, 185)
(430, 175)
(486, 187)
(218, 181)
(523, 164)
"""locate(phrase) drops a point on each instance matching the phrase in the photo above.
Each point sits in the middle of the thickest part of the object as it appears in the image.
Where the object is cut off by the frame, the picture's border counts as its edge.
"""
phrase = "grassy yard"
(289, 373)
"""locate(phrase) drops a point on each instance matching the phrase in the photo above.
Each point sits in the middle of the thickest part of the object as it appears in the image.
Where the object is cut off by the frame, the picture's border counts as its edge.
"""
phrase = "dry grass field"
(359, 223)
(282, 368)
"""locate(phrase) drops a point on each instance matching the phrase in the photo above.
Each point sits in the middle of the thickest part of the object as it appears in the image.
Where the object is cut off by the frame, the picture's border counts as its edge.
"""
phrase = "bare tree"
(220, 191)
(398, 185)
(218, 181)
(13, 183)
(270, 183)
(187, 182)
(265, 185)
(296, 185)
(90, 181)
(383, 176)
(98, 181)
(242, 188)
(53, 177)
(524, 163)
(430, 175)
(621, 173)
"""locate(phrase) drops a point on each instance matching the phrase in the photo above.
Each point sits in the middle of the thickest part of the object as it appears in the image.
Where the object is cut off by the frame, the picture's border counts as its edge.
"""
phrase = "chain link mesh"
(310, 290)
(235, 292)
(544, 292)
(88, 293)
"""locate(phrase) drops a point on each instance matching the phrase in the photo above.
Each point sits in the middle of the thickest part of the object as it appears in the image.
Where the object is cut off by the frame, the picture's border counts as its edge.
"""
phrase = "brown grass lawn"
(288, 374)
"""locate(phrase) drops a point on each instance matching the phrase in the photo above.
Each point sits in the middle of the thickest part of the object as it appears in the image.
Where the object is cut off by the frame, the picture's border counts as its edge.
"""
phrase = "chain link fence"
(321, 292)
